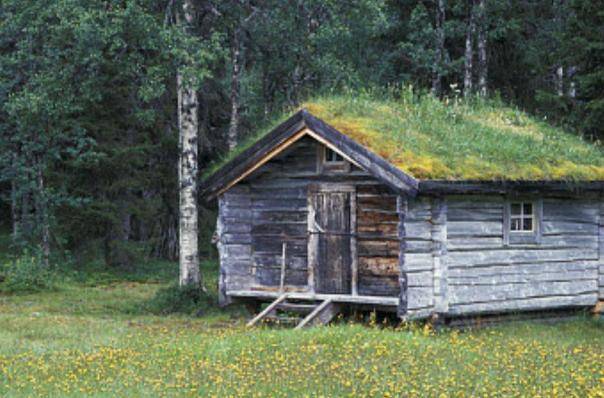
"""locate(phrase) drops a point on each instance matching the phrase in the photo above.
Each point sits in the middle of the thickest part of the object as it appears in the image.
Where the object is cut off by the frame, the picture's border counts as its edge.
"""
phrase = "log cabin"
(313, 217)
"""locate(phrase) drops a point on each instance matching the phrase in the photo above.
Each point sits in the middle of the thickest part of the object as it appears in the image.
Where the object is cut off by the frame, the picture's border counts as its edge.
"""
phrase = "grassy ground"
(102, 339)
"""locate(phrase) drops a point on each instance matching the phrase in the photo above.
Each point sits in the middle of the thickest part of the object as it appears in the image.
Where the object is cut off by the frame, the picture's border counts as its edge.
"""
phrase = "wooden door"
(329, 213)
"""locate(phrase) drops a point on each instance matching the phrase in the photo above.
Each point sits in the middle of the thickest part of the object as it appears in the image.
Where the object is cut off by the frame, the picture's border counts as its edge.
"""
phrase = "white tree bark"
(187, 169)
(439, 51)
(469, 53)
(560, 80)
(235, 85)
(42, 215)
(482, 49)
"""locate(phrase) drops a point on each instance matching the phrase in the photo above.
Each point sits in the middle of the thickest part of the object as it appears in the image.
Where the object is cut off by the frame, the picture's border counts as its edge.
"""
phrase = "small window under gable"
(332, 156)
(522, 222)
(331, 161)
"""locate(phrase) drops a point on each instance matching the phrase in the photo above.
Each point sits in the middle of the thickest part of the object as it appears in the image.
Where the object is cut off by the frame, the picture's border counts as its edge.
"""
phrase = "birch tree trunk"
(560, 80)
(439, 48)
(482, 49)
(469, 52)
(187, 168)
(14, 204)
(235, 85)
(41, 204)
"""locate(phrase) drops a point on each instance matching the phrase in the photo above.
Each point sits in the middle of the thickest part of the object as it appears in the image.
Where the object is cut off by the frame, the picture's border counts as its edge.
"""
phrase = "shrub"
(190, 300)
(26, 274)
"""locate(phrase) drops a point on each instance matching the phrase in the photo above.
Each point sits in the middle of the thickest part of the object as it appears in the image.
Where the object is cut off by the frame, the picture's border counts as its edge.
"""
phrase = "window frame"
(326, 151)
(522, 237)
(522, 216)
(331, 166)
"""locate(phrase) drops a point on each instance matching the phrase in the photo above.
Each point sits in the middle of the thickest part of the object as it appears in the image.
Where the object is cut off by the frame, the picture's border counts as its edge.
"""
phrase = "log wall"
(420, 255)
(378, 243)
(560, 270)
(440, 254)
(269, 208)
(457, 256)
(601, 249)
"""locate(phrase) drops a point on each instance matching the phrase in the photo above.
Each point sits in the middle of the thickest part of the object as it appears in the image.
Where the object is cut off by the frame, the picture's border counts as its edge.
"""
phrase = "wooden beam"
(354, 259)
(477, 187)
(271, 154)
(300, 124)
(321, 315)
(312, 246)
(283, 259)
(267, 310)
(338, 298)
(403, 301)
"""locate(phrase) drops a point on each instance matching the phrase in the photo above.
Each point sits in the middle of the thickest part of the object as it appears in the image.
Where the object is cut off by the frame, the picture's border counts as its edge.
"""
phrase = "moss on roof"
(455, 140)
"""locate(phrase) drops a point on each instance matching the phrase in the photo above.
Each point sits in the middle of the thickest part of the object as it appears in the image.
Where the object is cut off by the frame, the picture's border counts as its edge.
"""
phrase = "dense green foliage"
(101, 339)
(88, 126)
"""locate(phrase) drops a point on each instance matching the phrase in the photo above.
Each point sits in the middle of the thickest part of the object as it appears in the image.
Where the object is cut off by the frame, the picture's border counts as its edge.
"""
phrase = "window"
(332, 156)
(522, 217)
(330, 161)
(522, 222)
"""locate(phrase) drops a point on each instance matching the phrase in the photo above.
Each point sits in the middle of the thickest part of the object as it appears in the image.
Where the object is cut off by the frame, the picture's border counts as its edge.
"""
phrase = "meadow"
(103, 334)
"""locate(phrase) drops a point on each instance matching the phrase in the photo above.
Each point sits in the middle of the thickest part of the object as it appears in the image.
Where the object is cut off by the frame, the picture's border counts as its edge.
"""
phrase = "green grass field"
(102, 338)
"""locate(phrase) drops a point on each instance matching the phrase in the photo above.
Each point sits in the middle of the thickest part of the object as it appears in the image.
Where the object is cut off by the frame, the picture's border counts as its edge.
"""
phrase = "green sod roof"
(432, 139)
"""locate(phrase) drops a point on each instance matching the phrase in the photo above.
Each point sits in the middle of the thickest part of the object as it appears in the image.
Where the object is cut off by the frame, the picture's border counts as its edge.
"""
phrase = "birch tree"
(469, 50)
(482, 48)
(188, 126)
(439, 51)
(245, 13)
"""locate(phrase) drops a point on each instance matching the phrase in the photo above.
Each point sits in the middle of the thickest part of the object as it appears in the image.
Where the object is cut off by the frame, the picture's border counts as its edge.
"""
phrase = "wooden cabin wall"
(268, 208)
(484, 275)
(601, 247)
(457, 263)
(425, 238)
(378, 242)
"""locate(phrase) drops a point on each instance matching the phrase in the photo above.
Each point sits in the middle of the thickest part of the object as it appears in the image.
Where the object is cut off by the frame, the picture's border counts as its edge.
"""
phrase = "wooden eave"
(436, 187)
(302, 124)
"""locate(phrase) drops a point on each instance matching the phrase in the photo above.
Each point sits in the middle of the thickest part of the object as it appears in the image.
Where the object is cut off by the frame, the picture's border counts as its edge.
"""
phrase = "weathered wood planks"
(444, 253)
(485, 274)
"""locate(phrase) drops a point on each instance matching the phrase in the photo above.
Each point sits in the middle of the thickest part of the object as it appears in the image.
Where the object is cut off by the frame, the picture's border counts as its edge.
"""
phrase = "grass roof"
(457, 140)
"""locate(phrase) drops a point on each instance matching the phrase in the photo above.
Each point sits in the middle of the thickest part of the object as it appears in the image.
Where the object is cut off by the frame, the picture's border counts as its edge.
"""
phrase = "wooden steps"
(296, 307)
(321, 315)
(307, 312)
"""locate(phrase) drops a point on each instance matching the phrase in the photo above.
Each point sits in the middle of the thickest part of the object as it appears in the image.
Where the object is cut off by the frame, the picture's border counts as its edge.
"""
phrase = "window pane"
(515, 224)
(515, 209)
(527, 224)
(332, 156)
(528, 209)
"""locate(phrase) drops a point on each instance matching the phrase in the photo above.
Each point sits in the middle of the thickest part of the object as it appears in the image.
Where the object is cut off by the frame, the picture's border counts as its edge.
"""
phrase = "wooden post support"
(401, 209)
(283, 258)
(321, 315)
(354, 261)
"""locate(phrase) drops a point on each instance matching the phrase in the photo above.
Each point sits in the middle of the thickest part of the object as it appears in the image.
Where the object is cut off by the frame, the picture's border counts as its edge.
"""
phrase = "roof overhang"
(477, 187)
(300, 125)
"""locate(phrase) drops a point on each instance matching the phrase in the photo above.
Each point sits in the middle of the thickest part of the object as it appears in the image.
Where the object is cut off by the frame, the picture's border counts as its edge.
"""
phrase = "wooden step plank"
(321, 315)
(267, 310)
(296, 307)
(289, 320)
